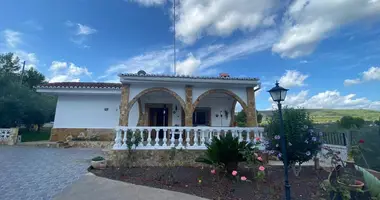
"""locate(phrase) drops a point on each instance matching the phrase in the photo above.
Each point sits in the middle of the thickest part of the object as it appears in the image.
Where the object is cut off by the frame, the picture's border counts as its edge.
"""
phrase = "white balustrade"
(202, 135)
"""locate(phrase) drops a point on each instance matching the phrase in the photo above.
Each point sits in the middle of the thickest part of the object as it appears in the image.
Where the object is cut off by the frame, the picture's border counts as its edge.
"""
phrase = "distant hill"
(332, 115)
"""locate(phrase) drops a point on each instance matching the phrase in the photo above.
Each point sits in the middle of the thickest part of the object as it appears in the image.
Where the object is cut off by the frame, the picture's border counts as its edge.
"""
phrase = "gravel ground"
(28, 173)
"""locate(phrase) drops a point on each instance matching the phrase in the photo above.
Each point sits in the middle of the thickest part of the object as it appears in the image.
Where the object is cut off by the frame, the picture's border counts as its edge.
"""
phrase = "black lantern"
(278, 93)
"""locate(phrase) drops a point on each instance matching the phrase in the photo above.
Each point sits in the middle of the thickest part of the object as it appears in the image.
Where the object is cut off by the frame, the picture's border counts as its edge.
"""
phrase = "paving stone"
(39, 173)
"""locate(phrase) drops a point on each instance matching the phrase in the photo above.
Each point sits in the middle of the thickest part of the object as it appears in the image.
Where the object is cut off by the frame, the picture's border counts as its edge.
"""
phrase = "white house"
(156, 103)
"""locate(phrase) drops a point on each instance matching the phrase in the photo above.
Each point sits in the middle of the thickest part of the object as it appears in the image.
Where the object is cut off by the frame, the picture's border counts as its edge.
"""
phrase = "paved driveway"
(28, 173)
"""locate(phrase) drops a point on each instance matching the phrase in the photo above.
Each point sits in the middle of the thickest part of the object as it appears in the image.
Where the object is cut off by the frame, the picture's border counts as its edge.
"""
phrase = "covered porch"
(184, 112)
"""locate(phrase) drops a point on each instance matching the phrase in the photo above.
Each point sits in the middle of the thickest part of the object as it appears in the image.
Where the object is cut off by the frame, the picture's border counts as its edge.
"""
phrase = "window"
(201, 117)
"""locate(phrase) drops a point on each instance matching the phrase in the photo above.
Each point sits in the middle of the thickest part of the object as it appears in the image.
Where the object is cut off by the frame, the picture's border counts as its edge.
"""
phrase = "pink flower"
(234, 173)
(213, 171)
(243, 178)
(261, 168)
(258, 139)
(260, 158)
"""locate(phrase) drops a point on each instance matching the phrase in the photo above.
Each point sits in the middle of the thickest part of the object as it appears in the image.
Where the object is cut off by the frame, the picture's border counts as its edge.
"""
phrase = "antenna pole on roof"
(174, 40)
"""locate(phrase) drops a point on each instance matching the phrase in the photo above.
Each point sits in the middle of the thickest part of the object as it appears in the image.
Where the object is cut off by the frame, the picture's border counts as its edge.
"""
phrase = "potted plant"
(98, 162)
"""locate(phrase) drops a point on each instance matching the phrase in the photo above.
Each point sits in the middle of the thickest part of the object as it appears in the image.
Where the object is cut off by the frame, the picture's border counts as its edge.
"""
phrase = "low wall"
(91, 144)
(8, 136)
(60, 134)
(152, 158)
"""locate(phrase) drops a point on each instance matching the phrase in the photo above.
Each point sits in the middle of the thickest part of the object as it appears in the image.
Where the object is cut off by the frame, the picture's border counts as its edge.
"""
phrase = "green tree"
(33, 78)
(20, 104)
(241, 118)
(349, 122)
(9, 63)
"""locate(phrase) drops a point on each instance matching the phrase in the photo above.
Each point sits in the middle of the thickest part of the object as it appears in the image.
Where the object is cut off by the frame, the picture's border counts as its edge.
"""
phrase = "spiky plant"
(226, 152)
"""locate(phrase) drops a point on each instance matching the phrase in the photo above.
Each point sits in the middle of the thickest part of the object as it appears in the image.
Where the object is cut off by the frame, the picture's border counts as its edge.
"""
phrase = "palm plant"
(226, 152)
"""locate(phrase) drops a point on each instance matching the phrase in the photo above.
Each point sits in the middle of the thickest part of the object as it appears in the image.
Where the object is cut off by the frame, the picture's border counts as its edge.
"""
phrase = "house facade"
(148, 100)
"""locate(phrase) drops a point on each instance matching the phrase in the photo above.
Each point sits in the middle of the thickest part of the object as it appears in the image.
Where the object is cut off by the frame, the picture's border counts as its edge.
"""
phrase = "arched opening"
(216, 108)
(156, 107)
(167, 105)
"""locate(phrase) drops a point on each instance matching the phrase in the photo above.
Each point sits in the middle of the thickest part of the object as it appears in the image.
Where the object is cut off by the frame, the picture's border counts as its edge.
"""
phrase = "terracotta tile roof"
(80, 85)
(188, 77)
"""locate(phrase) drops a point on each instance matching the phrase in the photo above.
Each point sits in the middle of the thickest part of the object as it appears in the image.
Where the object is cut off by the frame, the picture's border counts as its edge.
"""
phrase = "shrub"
(302, 142)
(226, 152)
(98, 158)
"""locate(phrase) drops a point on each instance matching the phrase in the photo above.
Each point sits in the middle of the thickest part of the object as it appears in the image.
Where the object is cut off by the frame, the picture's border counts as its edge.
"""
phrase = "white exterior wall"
(241, 92)
(217, 105)
(87, 111)
(135, 89)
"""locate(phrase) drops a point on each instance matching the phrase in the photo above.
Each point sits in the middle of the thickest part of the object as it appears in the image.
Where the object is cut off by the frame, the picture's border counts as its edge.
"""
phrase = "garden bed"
(186, 180)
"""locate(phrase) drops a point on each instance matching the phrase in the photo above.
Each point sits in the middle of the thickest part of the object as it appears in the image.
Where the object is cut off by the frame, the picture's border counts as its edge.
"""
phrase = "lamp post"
(278, 94)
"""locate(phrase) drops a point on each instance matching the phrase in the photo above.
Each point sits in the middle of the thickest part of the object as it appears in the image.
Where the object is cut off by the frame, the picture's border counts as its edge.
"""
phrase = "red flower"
(361, 141)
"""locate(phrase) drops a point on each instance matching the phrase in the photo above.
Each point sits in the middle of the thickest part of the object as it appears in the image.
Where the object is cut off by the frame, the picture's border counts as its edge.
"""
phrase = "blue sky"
(327, 52)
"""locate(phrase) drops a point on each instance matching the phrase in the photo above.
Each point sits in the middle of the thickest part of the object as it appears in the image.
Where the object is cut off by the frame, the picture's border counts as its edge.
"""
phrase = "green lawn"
(30, 136)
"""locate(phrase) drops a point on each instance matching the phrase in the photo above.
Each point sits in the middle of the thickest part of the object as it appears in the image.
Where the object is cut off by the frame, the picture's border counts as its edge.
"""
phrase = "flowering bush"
(302, 141)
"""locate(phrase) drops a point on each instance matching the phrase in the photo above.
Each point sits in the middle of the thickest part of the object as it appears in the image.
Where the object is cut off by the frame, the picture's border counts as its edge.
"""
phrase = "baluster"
(210, 135)
(203, 137)
(117, 144)
(165, 140)
(133, 138)
(240, 135)
(124, 146)
(141, 144)
(149, 140)
(187, 143)
(180, 139)
(218, 132)
(247, 138)
(172, 140)
(157, 140)
(196, 137)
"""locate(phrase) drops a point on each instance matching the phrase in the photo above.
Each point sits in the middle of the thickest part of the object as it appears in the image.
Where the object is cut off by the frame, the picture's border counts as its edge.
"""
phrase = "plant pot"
(358, 185)
(99, 164)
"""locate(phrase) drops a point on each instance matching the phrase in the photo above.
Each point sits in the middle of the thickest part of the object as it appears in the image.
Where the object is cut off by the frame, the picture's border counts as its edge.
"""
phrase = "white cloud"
(329, 99)
(12, 38)
(30, 59)
(161, 60)
(67, 72)
(57, 66)
(293, 78)
(307, 22)
(81, 33)
(221, 18)
(349, 82)
(188, 66)
(372, 74)
(156, 61)
(63, 78)
(149, 2)
(77, 71)
(85, 30)
(227, 52)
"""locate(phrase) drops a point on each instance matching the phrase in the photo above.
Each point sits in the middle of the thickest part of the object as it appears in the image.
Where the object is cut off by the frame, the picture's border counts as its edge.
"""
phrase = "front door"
(159, 117)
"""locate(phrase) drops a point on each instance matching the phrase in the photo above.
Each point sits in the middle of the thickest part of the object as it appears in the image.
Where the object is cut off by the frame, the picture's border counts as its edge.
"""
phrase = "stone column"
(251, 105)
(233, 113)
(189, 105)
(123, 120)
